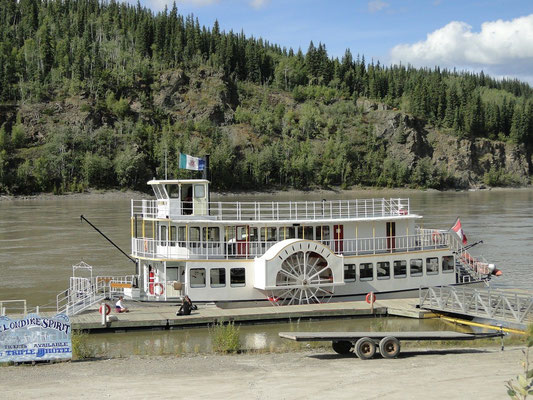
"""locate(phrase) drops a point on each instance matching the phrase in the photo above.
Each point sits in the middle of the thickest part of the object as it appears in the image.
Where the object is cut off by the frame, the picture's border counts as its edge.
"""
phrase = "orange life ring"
(107, 309)
(160, 285)
(370, 298)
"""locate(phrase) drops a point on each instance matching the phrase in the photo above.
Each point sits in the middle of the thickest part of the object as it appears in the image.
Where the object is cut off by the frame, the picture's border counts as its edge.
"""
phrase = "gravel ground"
(313, 374)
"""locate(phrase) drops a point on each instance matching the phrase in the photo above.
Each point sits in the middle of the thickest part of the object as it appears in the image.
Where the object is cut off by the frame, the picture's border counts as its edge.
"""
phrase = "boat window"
(400, 268)
(366, 271)
(242, 232)
(269, 234)
(416, 267)
(217, 277)
(211, 234)
(349, 272)
(432, 265)
(181, 235)
(383, 269)
(322, 232)
(173, 191)
(197, 277)
(194, 234)
(290, 232)
(199, 191)
(287, 232)
(172, 236)
(447, 264)
(237, 277)
(253, 234)
(305, 232)
(163, 236)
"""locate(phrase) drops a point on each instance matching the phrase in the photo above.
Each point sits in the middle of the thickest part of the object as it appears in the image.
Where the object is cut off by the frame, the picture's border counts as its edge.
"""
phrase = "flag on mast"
(192, 163)
(458, 229)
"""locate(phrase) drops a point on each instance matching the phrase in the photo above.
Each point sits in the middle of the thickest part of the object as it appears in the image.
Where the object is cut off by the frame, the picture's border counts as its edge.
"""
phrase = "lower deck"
(301, 272)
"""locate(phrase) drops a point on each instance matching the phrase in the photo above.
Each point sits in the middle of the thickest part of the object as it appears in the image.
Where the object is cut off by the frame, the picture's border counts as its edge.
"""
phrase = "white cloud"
(502, 48)
(376, 5)
(259, 3)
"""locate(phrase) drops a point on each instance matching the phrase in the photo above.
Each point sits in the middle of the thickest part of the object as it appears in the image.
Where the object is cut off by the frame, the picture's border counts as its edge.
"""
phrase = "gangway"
(85, 291)
(500, 306)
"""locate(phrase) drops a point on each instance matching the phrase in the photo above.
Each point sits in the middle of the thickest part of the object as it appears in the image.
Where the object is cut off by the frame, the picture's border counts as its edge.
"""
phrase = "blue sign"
(35, 338)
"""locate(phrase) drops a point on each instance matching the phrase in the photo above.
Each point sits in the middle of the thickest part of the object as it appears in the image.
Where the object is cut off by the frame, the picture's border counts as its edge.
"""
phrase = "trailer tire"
(342, 347)
(389, 347)
(365, 348)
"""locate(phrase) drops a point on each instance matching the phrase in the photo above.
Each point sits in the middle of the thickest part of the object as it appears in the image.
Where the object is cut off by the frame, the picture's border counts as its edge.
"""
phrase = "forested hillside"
(98, 94)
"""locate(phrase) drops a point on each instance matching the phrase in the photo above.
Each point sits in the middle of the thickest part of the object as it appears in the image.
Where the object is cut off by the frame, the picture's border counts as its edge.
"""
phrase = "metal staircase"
(469, 268)
(84, 292)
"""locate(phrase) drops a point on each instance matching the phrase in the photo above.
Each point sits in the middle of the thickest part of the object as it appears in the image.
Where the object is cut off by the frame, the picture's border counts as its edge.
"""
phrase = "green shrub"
(81, 349)
(498, 177)
(225, 338)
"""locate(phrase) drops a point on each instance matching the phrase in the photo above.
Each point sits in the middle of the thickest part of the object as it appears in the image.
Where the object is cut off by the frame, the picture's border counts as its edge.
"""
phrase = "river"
(40, 240)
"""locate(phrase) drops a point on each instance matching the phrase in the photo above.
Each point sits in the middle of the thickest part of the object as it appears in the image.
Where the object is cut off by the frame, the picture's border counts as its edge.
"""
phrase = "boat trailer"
(366, 344)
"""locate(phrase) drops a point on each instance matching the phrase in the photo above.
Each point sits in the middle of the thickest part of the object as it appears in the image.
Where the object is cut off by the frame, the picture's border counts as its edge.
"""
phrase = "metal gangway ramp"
(498, 305)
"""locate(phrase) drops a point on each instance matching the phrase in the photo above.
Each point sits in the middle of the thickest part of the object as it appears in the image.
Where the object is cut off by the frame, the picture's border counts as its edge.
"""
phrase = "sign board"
(35, 338)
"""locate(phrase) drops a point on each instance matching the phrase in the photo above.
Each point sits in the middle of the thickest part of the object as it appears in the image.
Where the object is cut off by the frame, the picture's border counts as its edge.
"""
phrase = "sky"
(495, 36)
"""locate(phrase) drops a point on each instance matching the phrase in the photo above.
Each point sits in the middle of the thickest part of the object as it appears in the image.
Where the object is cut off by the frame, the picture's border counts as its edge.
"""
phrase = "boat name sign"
(35, 338)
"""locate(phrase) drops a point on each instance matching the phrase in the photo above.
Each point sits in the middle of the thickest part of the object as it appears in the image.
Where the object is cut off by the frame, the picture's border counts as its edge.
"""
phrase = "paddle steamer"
(288, 252)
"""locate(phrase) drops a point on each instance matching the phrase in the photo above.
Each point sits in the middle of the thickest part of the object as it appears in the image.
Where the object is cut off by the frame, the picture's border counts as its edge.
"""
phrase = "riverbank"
(418, 374)
(110, 194)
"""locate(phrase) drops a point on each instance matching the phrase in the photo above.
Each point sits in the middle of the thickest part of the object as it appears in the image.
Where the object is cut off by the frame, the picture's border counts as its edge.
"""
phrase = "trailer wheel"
(342, 347)
(365, 348)
(389, 347)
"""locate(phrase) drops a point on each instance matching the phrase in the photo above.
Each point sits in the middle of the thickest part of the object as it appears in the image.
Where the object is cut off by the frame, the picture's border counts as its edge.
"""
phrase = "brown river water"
(40, 240)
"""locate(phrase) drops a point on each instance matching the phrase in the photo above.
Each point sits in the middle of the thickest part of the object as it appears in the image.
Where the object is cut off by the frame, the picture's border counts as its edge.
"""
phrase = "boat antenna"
(82, 218)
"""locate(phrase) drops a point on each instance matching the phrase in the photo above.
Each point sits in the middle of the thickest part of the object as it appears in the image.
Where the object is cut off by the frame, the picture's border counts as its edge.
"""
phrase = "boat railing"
(152, 248)
(276, 211)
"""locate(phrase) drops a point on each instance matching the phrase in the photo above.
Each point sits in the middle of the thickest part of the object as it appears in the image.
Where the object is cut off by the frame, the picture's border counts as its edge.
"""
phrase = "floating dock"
(160, 316)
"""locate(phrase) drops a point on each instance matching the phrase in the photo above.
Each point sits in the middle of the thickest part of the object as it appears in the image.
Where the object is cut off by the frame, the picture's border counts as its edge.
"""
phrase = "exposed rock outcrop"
(408, 140)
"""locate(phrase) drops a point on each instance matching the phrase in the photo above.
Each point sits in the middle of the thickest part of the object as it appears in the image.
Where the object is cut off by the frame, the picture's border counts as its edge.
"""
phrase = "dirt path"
(420, 374)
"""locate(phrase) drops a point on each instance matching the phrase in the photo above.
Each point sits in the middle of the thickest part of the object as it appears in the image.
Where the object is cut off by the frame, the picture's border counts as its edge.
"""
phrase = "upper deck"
(178, 210)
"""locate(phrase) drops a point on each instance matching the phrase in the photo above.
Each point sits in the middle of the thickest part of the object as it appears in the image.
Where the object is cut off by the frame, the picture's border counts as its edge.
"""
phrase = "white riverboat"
(288, 252)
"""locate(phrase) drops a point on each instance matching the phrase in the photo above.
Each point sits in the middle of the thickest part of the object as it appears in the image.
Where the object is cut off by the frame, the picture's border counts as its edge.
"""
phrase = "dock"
(163, 316)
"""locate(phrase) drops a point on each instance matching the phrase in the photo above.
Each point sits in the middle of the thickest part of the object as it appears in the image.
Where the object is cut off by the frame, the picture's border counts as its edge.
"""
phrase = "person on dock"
(186, 306)
(119, 307)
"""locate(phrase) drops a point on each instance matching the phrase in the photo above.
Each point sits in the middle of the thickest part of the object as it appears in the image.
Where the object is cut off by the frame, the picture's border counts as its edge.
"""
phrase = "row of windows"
(399, 268)
(243, 233)
(217, 277)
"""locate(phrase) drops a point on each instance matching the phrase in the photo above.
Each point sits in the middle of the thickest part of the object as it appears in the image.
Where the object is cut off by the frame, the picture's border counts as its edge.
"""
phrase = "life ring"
(370, 298)
(107, 309)
(436, 237)
(159, 285)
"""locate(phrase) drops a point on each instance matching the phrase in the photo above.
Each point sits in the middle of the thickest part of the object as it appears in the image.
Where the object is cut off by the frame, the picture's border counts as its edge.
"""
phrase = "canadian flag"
(458, 229)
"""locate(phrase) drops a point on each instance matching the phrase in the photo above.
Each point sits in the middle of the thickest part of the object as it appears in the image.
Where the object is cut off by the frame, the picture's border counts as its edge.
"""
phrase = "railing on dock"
(494, 304)
(3, 310)
(279, 211)
(183, 249)
(85, 292)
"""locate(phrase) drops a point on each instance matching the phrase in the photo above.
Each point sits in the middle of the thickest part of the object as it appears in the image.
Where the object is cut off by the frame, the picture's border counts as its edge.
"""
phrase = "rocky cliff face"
(409, 140)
